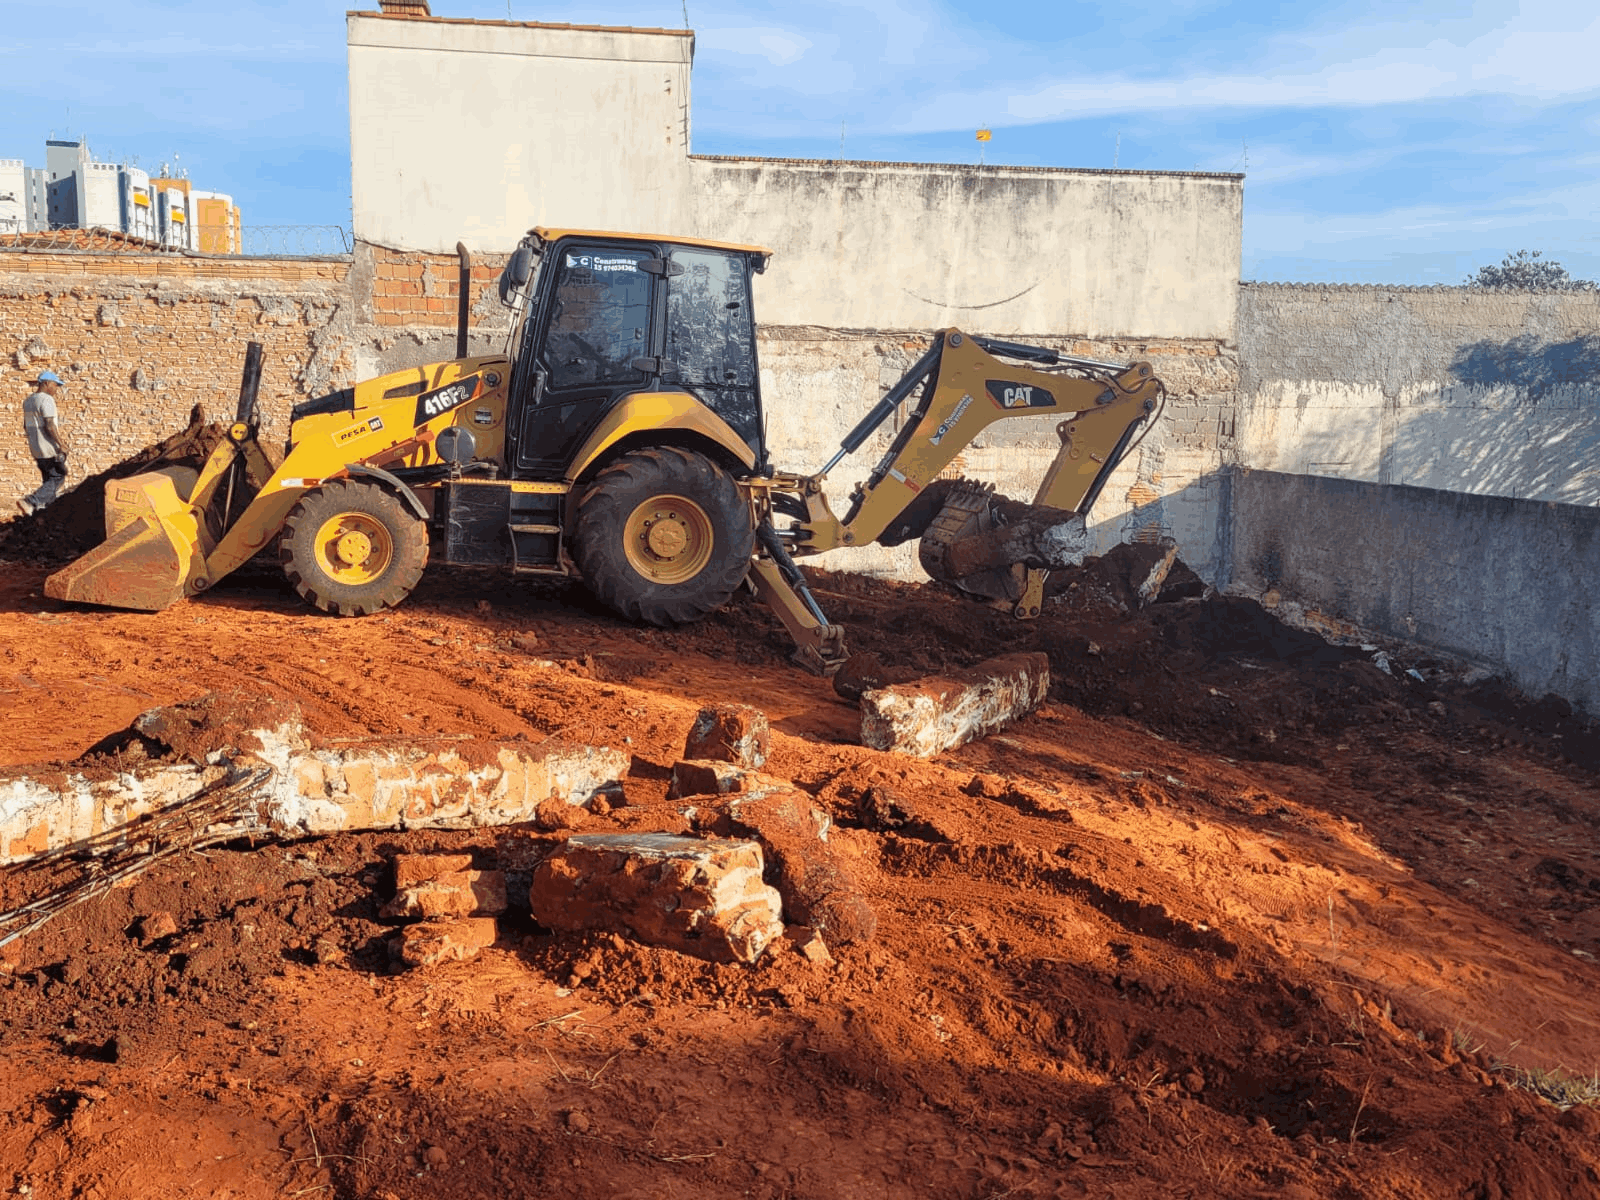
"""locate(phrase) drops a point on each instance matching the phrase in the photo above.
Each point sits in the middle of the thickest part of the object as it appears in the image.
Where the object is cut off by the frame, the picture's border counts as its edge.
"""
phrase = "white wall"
(1004, 250)
(478, 130)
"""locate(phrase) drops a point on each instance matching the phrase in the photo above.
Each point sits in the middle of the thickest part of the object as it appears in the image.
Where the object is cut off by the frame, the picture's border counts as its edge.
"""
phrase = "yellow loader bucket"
(152, 550)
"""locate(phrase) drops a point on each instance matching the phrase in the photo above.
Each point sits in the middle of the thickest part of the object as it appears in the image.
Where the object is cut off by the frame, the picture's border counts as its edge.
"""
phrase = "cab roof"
(551, 235)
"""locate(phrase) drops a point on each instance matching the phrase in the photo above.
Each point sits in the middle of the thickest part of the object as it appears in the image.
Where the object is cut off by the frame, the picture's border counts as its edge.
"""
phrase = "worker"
(45, 442)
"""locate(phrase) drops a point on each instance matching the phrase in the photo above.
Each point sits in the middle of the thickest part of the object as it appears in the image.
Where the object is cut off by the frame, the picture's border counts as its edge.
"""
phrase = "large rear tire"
(663, 536)
(351, 547)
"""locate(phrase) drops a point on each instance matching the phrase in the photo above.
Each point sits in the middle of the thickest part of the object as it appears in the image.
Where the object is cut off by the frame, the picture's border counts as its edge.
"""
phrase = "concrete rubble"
(456, 903)
(818, 887)
(450, 894)
(429, 943)
(703, 897)
(733, 733)
(939, 713)
(298, 789)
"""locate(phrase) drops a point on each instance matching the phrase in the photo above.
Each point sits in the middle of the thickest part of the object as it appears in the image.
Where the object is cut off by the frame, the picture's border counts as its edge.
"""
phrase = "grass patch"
(1555, 1085)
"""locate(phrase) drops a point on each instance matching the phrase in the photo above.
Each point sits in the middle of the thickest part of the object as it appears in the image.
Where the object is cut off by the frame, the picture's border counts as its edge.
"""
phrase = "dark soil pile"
(76, 523)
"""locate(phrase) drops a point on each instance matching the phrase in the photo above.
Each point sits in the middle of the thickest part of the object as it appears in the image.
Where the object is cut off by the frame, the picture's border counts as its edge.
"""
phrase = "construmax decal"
(950, 421)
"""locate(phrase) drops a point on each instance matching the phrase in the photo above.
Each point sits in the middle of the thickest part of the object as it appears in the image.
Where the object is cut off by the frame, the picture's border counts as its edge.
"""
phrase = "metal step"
(535, 528)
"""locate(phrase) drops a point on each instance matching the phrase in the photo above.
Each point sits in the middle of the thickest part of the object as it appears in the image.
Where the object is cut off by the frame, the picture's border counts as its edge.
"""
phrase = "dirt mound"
(75, 523)
(1235, 913)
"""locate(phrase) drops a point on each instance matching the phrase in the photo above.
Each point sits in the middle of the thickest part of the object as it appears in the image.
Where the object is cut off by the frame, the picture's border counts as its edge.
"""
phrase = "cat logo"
(1017, 395)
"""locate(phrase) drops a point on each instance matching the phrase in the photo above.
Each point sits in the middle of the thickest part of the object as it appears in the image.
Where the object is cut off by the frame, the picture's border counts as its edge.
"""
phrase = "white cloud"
(780, 47)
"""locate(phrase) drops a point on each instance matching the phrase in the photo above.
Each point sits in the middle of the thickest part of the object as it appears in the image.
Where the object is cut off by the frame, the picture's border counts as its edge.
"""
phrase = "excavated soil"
(1236, 913)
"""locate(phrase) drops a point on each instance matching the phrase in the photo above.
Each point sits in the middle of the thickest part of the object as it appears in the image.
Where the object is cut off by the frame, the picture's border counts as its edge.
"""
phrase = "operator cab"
(601, 318)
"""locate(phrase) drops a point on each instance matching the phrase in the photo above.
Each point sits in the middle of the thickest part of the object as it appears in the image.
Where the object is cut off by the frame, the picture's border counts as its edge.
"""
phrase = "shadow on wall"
(1515, 418)
(1522, 362)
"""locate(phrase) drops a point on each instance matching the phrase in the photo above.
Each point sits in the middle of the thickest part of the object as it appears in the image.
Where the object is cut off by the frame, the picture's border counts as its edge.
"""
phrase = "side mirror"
(516, 274)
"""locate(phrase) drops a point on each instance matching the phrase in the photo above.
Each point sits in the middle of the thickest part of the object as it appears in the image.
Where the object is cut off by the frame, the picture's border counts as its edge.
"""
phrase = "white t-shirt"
(36, 410)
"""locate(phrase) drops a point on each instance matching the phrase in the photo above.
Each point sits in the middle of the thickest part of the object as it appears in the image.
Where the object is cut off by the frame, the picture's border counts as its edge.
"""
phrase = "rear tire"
(663, 536)
(351, 547)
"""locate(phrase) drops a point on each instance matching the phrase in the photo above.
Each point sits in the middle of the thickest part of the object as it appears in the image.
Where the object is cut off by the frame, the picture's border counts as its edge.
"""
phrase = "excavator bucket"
(152, 548)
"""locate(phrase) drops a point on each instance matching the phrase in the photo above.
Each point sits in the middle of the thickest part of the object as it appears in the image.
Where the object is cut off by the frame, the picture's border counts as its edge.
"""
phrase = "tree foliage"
(1525, 271)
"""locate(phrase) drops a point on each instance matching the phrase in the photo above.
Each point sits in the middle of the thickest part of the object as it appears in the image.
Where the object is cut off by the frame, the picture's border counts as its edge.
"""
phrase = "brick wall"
(140, 338)
(423, 289)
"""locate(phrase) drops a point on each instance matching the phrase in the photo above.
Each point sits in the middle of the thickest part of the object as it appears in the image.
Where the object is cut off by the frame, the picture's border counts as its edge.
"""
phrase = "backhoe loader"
(619, 438)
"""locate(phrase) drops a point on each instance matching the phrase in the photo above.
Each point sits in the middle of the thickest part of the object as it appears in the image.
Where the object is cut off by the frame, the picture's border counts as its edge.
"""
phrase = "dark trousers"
(54, 472)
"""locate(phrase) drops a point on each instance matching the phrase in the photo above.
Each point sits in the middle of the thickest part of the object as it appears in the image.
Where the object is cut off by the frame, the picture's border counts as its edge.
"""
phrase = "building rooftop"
(417, 16)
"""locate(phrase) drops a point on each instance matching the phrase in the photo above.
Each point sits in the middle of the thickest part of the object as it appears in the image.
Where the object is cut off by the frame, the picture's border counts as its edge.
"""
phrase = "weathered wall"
(1002, 250)
(139, 339)
(477, 130)
(1501, 582)
(1464, 389)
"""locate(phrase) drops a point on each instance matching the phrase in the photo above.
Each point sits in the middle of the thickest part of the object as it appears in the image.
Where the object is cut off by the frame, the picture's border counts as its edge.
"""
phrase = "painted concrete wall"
(477, 130)
(1005, 250)
(1488, 392)
(1501, 582)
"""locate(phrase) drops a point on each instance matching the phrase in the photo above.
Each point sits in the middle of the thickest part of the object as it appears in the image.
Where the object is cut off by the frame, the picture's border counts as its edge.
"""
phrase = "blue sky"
(1382, 142)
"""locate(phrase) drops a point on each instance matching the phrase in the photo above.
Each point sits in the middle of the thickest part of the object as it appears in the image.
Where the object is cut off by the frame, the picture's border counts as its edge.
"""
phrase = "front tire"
(663, 536)
(351, 547)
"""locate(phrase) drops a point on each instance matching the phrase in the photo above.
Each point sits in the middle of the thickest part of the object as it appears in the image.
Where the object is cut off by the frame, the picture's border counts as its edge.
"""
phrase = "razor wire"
(223, 241)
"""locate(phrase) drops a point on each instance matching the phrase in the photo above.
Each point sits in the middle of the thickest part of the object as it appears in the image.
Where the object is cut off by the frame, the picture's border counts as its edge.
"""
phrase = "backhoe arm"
(962, 386)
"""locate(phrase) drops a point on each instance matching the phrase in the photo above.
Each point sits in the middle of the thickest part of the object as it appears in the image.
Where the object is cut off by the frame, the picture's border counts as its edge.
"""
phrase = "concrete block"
(433, 942)
(733, 733)
(703, 897)
(452, 894)
(939, 713)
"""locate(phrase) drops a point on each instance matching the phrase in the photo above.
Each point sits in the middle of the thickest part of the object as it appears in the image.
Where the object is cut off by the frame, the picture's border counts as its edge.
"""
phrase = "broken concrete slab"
(702, 896)
(941, 712)
(429, 943)
(733, 733)
(296, 789)
(452, 894)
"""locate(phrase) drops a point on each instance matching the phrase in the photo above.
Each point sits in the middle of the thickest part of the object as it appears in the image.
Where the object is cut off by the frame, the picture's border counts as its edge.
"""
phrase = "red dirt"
(1216, 921)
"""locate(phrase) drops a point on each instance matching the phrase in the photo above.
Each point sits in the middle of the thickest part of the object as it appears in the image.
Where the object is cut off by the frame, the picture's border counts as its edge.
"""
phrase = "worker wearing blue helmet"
(45, 441)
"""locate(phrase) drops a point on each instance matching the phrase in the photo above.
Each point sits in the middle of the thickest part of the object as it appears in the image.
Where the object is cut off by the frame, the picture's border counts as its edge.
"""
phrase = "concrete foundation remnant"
(941, 712)
(301, 789)
(701, 896)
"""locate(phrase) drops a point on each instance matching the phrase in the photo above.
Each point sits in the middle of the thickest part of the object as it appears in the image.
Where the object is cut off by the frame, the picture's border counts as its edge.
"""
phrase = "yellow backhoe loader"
(621, 438)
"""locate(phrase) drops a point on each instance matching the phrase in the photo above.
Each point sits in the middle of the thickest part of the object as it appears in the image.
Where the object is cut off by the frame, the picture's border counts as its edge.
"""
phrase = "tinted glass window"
(708, 320)
(600, 317)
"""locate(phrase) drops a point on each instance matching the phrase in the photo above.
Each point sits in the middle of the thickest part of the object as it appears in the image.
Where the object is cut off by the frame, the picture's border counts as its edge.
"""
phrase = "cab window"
(600, 317)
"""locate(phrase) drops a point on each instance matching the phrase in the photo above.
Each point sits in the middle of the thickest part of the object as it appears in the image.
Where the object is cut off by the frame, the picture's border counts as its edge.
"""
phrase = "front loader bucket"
(152, 550)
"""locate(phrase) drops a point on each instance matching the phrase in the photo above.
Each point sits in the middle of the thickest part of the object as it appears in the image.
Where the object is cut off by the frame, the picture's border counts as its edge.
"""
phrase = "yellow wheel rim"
(354, 548)
(668, 539)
